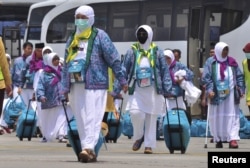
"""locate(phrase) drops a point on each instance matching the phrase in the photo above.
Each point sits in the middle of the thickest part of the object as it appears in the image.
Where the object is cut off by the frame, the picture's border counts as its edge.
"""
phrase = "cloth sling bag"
(143, 76)
(77, 68)
(222, 86)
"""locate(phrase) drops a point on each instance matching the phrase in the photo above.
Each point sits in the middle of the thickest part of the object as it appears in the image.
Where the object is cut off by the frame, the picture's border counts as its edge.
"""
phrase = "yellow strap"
(1, 74)
(147, 53)
(74, 44)
(111, 79)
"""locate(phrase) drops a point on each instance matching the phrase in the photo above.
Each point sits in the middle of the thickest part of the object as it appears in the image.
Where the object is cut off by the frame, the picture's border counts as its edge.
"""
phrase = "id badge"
(223, 93)
(145, 82)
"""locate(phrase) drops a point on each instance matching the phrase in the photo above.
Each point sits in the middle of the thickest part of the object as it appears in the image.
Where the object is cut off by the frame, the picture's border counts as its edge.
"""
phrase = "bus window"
(36, 18)
(158, 16)
(215, 26)
(61, 27)
(231, 19)
(101, 15)
(180, 25)
(124, 19)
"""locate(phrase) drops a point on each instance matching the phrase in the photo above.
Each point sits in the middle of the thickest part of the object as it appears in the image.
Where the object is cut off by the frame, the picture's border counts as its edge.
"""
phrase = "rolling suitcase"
(73, 135)
(26, 123)
(176, 130)
(114, 126)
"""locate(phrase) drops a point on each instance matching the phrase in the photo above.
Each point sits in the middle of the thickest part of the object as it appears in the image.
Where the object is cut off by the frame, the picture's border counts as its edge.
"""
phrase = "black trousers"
(2, 93)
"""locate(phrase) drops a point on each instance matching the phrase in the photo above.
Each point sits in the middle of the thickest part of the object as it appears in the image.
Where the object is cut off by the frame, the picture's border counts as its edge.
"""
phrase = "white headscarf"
(87, 11)
(8, 56)
(48, 60)
(45, 55)
(149, 30)
(170, 54)
(218, 51)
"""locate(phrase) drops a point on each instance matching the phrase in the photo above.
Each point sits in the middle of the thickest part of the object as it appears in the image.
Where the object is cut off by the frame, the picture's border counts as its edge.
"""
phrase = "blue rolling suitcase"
(114, 126)
(73, 135)
(26, 123)
(176, 130)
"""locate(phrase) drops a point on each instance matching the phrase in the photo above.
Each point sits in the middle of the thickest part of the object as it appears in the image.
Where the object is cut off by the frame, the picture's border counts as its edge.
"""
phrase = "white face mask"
(247, 55)
(45, 57)
(82, 24)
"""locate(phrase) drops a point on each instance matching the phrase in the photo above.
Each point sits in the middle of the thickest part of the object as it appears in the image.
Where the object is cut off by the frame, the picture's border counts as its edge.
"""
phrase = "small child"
(53, 119)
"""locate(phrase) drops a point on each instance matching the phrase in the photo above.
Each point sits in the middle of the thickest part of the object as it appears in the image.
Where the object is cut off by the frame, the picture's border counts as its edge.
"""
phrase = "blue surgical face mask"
(247, 55)
(82, 24)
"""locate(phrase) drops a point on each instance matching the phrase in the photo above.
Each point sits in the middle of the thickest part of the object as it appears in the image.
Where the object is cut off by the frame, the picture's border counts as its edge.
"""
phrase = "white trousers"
(53, 122)
(224, 120)
(88, 107)
(144, 124)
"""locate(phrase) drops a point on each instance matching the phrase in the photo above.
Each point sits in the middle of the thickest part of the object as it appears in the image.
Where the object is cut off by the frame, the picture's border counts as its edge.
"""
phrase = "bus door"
(204, 33)
(12, 41)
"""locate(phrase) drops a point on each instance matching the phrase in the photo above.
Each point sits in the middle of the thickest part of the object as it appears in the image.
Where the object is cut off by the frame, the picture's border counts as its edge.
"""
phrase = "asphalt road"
(34, 154)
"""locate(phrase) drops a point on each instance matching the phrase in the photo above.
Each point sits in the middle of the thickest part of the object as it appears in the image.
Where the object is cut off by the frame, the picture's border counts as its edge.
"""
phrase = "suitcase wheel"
(171, 151)
(29, 139)
(183, 151)
(129, 137)
(21, 139)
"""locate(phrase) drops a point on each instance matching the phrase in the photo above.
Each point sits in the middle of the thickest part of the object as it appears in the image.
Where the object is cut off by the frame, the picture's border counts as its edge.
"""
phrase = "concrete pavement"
(30, 154)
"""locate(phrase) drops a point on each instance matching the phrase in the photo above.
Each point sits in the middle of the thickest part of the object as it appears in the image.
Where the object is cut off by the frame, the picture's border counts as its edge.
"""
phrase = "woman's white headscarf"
(48, 60)
(87, 11)
(8, 56)
(170, 54)
(218, 51)
(149, 30)
(45, 55)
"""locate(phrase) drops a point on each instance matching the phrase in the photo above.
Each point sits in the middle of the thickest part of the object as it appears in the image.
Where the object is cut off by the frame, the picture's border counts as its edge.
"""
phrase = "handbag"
(76, 70)
(13, 109)
(144, 77)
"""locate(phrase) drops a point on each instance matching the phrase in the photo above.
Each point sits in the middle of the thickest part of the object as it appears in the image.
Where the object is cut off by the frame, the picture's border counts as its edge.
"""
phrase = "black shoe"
(137, 144)
(68, 145)
(219, 145)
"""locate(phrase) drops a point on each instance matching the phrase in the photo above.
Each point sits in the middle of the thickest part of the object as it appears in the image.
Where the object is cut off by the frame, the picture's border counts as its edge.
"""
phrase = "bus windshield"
(35, 22)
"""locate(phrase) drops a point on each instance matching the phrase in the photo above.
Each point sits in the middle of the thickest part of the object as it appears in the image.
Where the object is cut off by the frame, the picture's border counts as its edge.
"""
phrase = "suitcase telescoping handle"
(64, 104)
(120, 112)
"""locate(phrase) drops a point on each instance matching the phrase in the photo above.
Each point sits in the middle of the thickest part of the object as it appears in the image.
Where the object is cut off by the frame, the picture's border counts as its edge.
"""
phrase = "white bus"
(192, 26)
(13, 19)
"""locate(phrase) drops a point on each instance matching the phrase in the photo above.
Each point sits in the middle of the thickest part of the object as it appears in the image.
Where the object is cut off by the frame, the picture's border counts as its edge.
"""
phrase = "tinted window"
(61, 27)
(158, 16)
(34, 25)
(124, 21)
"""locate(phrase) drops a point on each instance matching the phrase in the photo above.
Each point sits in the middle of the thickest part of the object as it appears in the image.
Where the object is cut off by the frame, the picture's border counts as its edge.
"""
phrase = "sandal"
(148, 150)
(6, 129)
(137, 144)
(84, 156)
(1, 131)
